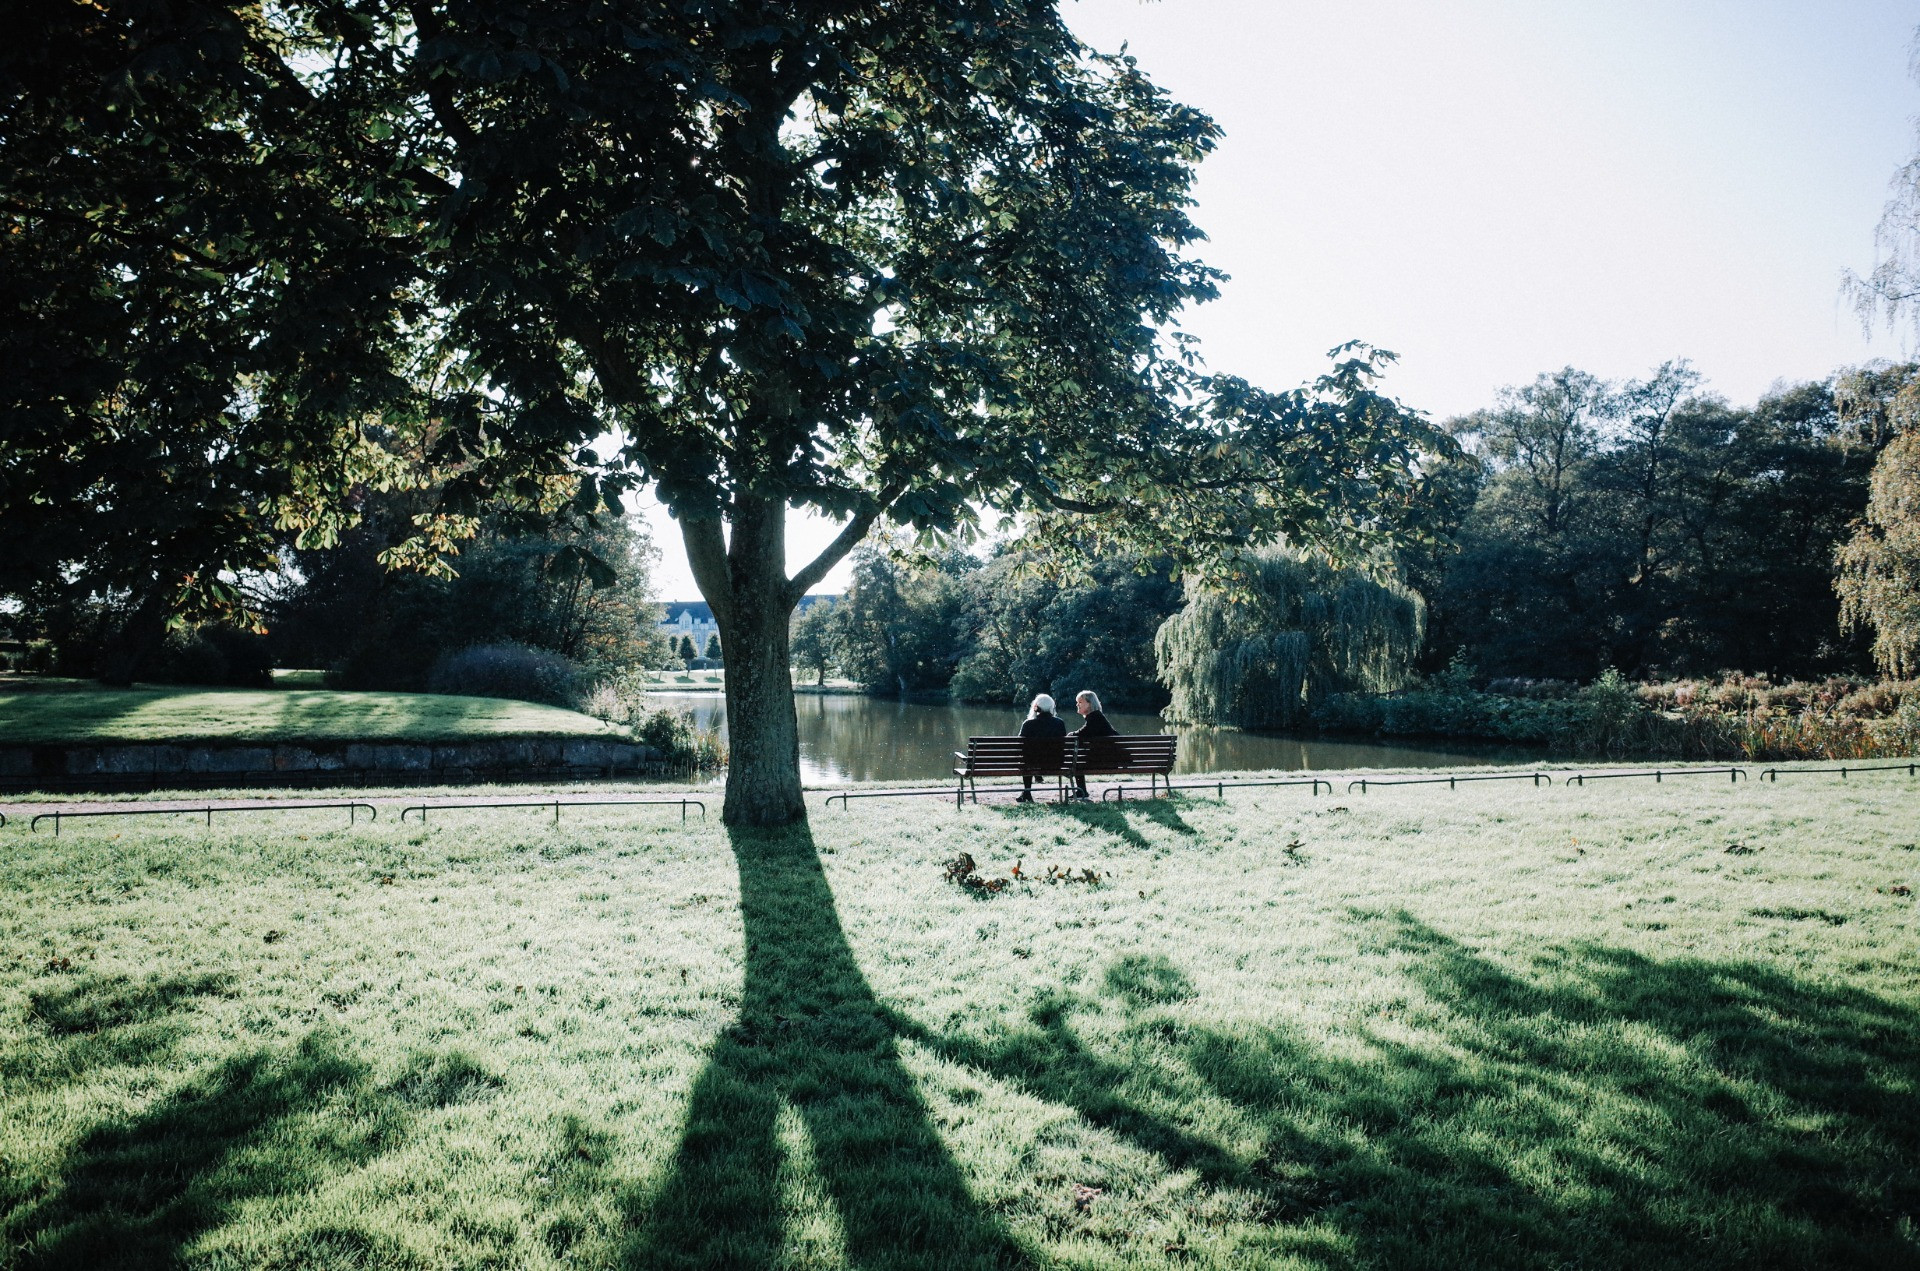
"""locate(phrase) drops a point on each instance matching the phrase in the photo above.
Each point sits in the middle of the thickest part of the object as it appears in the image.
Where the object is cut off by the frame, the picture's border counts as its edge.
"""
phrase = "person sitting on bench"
(1087, 702)
(1040, 722)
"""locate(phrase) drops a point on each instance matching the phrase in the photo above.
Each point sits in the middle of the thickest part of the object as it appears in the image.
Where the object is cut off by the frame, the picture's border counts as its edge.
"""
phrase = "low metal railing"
(945, 792)
(61, 814)
(556, 805)
(1774, 774)
(1449, 782)
(1219, 788)
(1658, 774)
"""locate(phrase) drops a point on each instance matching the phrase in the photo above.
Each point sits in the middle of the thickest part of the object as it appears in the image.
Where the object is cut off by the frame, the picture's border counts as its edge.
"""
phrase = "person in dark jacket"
(1041, 722)
(1087, 702)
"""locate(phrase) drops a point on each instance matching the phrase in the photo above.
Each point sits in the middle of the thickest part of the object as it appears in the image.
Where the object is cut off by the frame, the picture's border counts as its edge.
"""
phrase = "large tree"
(1879, 565)
(886, 260)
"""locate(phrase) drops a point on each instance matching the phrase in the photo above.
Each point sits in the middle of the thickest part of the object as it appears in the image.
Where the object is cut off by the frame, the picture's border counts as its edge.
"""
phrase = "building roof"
(702, 613)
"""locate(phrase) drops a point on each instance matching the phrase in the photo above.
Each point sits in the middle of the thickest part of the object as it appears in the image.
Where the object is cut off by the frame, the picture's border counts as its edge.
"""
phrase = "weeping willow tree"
(1289, 632)
(1879, 578)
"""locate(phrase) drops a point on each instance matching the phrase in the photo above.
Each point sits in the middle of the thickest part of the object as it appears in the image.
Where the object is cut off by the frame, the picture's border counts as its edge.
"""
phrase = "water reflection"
(850, 738)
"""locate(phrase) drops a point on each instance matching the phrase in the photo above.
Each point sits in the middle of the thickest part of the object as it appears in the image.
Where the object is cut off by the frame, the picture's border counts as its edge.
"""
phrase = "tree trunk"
(763, 736)
(744, 578)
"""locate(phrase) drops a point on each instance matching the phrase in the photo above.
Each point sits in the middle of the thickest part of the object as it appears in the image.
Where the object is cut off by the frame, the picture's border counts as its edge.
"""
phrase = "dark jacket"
(1096, 726)
(1044, 726)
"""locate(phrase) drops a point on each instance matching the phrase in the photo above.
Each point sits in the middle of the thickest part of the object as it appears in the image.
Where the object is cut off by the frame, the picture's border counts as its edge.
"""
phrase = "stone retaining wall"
(241, 763)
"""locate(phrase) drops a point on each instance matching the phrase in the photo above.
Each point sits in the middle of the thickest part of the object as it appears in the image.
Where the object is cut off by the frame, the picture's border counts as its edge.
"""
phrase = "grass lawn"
(681, 681)
(81, 711)
(1629, 1026)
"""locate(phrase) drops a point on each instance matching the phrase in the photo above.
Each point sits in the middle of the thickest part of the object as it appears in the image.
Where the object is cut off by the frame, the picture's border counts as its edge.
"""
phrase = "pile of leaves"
(965, 871)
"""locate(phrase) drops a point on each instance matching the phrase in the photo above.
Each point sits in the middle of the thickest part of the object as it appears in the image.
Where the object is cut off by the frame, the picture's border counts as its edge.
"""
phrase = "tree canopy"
(886, 260)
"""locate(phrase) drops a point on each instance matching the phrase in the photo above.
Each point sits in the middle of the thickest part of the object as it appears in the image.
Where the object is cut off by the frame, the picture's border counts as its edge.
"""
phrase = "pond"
(844, 737)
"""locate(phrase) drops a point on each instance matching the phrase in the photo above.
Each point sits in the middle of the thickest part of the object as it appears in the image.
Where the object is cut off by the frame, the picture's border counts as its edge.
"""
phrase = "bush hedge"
(1736, 717)
(506, 670)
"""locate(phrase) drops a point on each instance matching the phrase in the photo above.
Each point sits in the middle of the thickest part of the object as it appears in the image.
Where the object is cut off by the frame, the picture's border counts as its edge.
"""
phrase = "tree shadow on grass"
(1604, 1109)
(103, 1003)
(1116, 818)
(100, 1021)
(137, 1193)
(812, 1037)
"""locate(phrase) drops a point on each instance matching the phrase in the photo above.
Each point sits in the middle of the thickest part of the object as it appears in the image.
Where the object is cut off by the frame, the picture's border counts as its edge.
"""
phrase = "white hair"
(1088, 696)
(1042, 705)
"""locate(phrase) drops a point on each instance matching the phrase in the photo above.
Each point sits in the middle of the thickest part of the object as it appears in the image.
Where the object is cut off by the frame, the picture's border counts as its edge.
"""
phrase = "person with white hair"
(1087, 702)
(1041, 722)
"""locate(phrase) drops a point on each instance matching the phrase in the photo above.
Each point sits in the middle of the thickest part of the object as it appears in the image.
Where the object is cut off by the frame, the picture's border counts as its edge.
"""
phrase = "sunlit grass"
(77, 712)
(1625, 1026)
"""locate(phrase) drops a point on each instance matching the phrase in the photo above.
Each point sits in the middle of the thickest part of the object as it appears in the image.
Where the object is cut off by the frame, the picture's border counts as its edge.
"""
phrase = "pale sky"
(1496, 188)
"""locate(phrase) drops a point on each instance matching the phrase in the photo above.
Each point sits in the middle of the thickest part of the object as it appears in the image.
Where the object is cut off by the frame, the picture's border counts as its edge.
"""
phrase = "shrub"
(620, 698)
(213, 655)
(506, 670)
(1539, 689)
(681, 745)
(1884, 700)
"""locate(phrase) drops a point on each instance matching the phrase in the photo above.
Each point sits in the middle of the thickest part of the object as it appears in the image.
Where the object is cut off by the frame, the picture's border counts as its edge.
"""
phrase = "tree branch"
(132, 238)
(845, 541)
(707, 556)
(428, 25)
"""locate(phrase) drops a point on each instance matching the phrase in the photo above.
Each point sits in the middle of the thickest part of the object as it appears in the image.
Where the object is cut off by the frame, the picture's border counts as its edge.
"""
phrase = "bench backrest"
(1146, 752)
(1012, 756)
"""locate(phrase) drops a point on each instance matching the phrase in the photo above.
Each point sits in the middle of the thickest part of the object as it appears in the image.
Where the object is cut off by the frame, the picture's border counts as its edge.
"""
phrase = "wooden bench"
(1061, 758)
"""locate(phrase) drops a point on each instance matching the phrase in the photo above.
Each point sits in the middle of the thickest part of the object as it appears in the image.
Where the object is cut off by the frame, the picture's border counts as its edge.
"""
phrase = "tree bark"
(763, 761)
(745, 582)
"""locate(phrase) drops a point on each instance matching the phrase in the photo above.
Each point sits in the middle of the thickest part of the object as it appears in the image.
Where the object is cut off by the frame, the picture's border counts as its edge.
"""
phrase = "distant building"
(690, 618)
(694, 619)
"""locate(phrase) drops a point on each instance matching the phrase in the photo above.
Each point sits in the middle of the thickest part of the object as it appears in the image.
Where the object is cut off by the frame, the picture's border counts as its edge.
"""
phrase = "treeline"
(576, 594)
(997, 630)
(537, 612)
(1645, 528)
(1652, 528)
